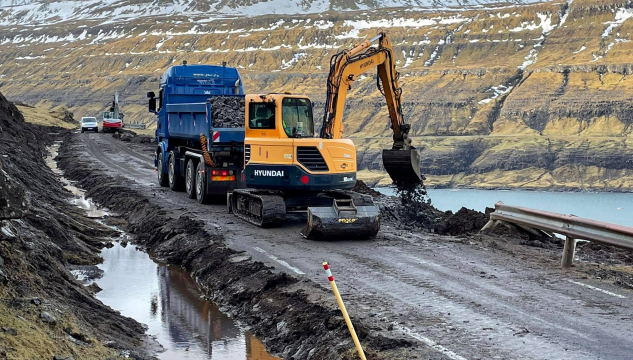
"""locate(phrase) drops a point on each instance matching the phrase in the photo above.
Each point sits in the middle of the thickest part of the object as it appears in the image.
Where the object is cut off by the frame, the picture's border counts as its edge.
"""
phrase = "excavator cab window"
(297, 117)
(261, 115)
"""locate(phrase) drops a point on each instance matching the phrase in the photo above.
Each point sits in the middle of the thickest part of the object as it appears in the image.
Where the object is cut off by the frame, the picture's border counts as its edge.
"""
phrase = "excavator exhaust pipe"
(342, 221)
(403, 166)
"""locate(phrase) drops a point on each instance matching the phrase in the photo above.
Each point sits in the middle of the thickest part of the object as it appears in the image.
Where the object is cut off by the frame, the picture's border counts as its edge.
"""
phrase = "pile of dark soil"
(362, 188)
(277, 307)
(227, 111)
(464, 221)
(130, 136)
(41, 235)
(603, 254)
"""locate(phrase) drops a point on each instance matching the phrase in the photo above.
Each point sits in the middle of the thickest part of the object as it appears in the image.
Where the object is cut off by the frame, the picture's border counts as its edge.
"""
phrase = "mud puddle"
(80, 199)
(164, 298)
(168, 301)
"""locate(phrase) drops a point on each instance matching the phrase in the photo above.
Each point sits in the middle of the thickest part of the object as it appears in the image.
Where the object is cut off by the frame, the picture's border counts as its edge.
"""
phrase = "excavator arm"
(402, 161)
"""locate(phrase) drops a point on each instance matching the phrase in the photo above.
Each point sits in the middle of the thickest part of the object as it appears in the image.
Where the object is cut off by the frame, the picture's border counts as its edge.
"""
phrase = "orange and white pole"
(361, 353)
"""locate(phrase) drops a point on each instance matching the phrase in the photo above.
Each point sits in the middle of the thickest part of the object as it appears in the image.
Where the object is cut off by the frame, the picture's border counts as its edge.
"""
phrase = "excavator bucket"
(403, 166)
(343, 220)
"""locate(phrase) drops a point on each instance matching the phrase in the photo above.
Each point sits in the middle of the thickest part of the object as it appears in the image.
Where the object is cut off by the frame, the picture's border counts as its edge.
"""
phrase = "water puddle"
(80, 199)
(165, 298)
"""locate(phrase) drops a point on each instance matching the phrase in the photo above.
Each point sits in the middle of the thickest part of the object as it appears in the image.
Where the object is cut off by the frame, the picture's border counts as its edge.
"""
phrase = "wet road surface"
(457, 299)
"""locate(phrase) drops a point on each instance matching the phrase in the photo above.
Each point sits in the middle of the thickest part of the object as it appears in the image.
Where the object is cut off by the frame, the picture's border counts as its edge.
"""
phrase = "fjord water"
(616, 208)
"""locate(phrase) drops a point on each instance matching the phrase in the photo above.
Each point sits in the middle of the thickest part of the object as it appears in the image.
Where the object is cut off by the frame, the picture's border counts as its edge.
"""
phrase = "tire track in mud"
(415, 278)
(297, 319)
(108, 163)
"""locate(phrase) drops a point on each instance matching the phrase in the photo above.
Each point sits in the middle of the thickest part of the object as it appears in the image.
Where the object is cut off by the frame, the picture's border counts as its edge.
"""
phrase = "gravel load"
(227, 111)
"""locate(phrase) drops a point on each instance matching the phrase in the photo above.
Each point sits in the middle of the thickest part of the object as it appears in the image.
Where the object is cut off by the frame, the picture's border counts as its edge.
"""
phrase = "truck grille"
(247, 154)
(310, 157)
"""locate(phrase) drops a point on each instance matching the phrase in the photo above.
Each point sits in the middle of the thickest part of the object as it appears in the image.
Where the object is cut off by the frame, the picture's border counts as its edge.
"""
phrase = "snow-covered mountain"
(42, 12)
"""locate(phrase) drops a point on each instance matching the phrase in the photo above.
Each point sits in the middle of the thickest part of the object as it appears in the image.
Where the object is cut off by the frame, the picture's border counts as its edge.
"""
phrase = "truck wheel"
(175, 182)
(162, 179)
(190, 179)
(201, 190)
(82, 130)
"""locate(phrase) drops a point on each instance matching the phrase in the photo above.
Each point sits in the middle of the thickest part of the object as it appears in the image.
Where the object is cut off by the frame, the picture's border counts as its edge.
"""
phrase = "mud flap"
(403, 166)
(343, 220)
(229, 202)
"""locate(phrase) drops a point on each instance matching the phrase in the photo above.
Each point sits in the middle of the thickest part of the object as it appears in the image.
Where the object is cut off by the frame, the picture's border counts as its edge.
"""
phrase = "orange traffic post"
(361, 353)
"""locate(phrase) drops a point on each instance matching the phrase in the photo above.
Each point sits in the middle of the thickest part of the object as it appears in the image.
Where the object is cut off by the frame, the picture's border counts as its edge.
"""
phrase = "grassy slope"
(577, 82)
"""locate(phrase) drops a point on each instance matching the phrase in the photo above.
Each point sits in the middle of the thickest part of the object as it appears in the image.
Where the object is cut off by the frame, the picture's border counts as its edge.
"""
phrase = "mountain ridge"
(521, 73)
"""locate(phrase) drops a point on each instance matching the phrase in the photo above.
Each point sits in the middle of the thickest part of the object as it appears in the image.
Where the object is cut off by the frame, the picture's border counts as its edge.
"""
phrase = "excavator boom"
(402, 162)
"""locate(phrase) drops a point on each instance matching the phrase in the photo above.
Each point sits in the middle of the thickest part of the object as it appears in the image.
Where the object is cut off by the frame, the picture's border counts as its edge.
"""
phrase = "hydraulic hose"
(205, 152)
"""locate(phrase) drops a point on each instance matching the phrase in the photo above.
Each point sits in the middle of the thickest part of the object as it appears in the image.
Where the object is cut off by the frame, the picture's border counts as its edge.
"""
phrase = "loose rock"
(10, 331)
(227, 111)
(48, 318)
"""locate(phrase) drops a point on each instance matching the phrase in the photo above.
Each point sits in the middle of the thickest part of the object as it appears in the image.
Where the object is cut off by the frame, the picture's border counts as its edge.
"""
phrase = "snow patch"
(497, 91)
(583, 48)
(621, 16)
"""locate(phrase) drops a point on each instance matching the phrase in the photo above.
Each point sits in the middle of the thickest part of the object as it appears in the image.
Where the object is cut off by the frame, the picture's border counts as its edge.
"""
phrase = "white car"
(89, 124)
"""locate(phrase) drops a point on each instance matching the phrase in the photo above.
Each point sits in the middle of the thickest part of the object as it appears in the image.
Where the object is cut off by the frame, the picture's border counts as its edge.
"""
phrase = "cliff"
(529, 95)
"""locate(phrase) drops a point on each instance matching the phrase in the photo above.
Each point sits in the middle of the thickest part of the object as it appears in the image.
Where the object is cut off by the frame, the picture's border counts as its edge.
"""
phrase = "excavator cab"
(288, 169)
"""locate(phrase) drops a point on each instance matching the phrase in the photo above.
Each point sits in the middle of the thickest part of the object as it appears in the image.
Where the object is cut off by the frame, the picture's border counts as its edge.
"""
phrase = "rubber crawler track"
(273, 208)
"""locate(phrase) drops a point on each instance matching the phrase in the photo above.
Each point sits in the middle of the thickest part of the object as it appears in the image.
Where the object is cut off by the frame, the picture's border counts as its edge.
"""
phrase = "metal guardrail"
(135, 126)
(571, 226)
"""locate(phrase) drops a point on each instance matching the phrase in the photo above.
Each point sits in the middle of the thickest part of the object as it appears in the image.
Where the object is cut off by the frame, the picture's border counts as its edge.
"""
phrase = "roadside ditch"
(287, 313)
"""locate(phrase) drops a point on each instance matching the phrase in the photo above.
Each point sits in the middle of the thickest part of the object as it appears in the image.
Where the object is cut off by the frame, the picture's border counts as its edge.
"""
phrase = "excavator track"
(260, 208)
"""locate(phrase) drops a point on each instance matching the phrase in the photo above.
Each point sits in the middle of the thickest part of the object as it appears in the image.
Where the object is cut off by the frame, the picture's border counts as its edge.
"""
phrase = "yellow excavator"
(288, 168)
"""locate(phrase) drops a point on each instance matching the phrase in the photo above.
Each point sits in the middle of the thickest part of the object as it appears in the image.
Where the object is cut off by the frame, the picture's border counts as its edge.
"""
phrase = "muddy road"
(471, 297)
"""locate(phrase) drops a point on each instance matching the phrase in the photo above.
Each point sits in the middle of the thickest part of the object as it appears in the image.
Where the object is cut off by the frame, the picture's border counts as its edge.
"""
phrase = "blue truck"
(200, 130)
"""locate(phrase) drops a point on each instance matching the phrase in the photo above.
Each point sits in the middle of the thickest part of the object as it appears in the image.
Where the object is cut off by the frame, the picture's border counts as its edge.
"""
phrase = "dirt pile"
(464, 221)
(227, 111)
(278, 308)
(41, 236)
(411, 209)
(362, 188)
(130, 136)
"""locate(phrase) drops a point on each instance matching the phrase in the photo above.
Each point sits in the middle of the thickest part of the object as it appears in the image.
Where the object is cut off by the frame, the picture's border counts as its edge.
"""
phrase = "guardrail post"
(490, 226)
(568, 252)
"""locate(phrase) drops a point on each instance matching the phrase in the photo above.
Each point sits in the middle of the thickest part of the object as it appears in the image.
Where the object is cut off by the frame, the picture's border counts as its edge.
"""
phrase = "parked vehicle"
(89, 124)
(112, 119)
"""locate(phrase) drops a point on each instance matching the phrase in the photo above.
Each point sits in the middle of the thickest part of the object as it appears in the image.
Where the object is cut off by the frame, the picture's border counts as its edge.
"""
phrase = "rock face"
(498, 83)
(14, 202)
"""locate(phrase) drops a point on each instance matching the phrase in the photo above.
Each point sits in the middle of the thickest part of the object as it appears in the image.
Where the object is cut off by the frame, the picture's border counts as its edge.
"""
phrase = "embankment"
(44, 311)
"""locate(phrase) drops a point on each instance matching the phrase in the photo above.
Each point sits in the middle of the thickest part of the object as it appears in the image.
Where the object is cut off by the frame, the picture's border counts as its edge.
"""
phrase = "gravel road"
(457, 298)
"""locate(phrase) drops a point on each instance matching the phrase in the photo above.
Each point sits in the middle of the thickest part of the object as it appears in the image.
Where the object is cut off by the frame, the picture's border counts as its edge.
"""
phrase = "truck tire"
(201, 189)
(175, 182)
(190, 179)
(162, 179)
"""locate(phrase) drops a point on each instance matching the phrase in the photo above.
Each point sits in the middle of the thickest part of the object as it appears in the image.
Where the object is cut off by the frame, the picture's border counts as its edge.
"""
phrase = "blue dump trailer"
(200, 130)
